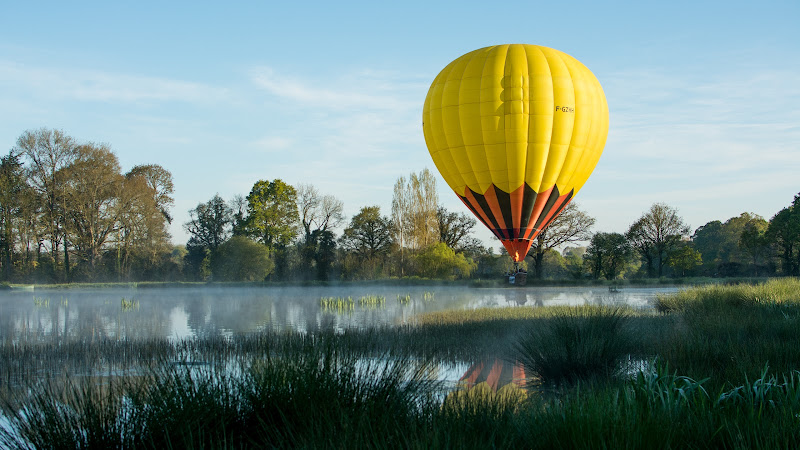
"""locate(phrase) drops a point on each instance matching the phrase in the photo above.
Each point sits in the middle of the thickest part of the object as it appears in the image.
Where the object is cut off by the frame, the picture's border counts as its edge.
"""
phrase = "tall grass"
(577, 344)
(308, 394)
(702, 382)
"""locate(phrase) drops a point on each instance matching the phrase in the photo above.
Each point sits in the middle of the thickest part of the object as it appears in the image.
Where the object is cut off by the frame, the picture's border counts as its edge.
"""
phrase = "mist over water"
(178, 313)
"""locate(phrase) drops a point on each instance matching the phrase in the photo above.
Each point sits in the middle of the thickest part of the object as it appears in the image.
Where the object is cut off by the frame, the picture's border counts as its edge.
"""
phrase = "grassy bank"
(713, 367)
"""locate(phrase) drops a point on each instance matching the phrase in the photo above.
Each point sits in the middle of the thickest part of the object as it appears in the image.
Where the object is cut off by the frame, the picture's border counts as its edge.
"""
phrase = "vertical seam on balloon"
(460, 111)
(538, 207)
(572, 134)
(480, 118)
(558, 205)
(474, 211)
(539, 187)
(490, 196)
(506, 62)
(551, 201)
(481, 205)
(550, 153)
(528, 202)
(450, 147)
(589, 147)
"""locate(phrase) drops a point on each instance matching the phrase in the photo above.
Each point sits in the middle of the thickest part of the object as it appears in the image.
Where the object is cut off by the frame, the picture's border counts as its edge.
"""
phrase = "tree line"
(68, 213)
(659, 244)
(281, 232)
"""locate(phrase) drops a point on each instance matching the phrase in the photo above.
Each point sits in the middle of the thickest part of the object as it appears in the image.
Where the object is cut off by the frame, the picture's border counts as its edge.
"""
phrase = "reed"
(702, 364)
(577, 344)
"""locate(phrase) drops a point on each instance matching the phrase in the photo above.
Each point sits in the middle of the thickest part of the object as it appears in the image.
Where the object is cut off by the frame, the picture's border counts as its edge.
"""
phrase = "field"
(710, 367)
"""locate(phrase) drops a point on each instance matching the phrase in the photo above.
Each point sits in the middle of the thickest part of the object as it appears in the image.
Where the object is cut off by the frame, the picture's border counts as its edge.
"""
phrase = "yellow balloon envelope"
(515, 130)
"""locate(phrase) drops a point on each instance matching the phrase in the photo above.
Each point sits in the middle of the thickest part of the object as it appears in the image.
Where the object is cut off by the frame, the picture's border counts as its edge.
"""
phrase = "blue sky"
(704, 97)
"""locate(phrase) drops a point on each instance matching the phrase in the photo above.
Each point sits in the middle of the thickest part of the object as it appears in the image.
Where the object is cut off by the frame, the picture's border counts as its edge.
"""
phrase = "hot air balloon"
(515, 130)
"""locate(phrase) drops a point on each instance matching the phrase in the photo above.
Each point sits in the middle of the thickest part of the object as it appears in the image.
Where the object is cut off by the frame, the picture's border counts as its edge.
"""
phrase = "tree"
(142, 238)
(241, 259)
(784, 232)
(47, 152)
(92, 185)
(656, 233)
(414, 210)
(575, 262)
(706, 240)
(209, 227)
(209, 224)
(159, 181)
(441, 261)
(13, 190)
(684, 258)
(369, 234)
(753, 241)
(272, 214)
(325, 252)
(401, 222)
(572, 225)
(607, 254)
(318, 214)
(455, 229)
(718, 243)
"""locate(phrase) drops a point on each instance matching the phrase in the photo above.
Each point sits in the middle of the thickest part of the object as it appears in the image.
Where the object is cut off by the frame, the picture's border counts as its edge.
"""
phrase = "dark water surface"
(63, 315)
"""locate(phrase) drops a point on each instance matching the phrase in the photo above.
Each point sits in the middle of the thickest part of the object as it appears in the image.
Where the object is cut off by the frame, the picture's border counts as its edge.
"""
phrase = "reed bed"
(720, 360)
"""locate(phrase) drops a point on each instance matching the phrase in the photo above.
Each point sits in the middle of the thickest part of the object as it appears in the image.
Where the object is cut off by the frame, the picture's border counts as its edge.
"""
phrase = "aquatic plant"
(372, 300)
(129, 304)
(338, 304)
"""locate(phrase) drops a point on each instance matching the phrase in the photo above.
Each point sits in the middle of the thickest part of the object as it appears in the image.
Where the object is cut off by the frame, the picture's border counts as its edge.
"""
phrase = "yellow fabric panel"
(493, 116)
(513, 114)
(542, 107)
(516, 102)
(581, 127)
(563, 119)
(595, 134)
(471, 121)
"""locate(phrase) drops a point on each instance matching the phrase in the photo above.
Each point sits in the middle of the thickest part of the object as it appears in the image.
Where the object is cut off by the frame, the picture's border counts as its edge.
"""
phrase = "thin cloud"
(98, 86)
(369, 92)
(274, 143)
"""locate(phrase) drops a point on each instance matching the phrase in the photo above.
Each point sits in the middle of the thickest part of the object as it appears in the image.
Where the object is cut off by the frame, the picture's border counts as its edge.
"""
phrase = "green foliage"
(607, 255)
(210, 224)
(441, 261)
(241, 259)
(784, 232)
(369, 234)
(684, 259)
(657, 232)
(721, 246)
(272, 216)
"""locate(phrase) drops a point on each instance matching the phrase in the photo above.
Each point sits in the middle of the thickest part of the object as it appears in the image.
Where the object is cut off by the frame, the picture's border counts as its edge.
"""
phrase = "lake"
(178, 313)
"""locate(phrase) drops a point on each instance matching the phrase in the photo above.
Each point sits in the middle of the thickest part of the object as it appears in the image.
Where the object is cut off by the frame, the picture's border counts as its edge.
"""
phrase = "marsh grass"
(716, 369)
(302, 394)
(577, 344)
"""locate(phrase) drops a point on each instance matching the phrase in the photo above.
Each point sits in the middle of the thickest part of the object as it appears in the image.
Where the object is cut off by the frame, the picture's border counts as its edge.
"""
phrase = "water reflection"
(83, 315)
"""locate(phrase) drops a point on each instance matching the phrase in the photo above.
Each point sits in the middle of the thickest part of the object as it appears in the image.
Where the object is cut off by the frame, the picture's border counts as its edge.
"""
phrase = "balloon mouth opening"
(518, 249)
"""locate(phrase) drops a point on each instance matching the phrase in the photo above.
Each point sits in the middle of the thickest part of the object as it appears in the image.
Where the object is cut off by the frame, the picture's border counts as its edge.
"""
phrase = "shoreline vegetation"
(711, 366)
(408, 281)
